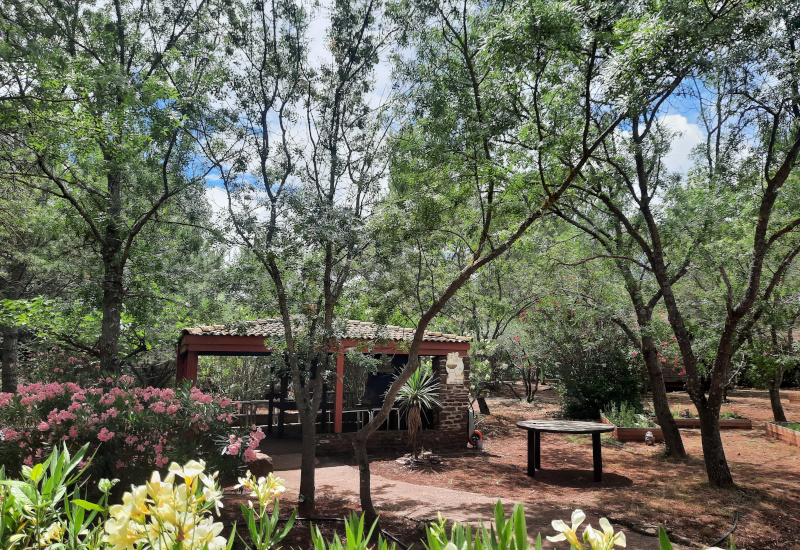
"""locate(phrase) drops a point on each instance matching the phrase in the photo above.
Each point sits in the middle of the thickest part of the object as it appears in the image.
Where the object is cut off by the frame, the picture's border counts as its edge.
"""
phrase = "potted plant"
(630, 424)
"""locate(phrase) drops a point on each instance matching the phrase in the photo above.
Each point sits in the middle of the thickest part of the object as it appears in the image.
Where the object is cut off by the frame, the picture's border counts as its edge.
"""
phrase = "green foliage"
(46, 507)
(355, 538)
(589, 383)
(505, 534)
(420, 391)
(239, 378)
(628, 416)
(418, 395)
(264, 532)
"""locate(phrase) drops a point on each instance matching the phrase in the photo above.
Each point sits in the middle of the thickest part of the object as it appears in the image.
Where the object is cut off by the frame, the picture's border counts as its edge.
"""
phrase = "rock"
(261, 466)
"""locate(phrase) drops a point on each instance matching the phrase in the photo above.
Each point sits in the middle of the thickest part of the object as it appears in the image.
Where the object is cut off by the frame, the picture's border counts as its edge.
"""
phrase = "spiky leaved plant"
(418, 395)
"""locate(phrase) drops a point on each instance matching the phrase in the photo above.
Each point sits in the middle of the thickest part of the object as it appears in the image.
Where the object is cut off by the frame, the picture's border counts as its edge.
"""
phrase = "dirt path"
(424, 502)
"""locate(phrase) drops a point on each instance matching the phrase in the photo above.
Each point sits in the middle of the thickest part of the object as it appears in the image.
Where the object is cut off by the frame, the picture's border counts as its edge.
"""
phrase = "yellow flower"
(189, 471)
(133, 507)
(160, 491)
(54, 533)
(122, 534)
(605, 540)
(567, 533)
(265, 489)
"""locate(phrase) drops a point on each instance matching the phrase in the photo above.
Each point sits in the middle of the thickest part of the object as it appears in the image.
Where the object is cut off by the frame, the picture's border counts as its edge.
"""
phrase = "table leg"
(597, 457)
(532, 440)
(537, 453)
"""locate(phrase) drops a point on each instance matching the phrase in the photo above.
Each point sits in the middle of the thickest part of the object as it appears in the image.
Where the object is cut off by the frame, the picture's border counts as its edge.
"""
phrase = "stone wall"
(451, 432)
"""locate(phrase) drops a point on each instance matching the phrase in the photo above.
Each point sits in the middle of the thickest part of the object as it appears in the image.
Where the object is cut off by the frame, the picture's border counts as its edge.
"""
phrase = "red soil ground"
(639, 485)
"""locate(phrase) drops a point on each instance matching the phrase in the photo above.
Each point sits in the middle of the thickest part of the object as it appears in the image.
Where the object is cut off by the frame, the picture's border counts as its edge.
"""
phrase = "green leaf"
(36, 473)
(86, 505)
(663, 539)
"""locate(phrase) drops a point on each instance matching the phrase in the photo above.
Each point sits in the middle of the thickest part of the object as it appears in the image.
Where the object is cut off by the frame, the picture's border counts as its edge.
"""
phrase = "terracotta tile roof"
(355, 330)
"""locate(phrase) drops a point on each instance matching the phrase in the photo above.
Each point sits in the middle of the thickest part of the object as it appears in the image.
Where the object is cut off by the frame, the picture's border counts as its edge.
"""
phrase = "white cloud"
(217, 198)
(686, 136)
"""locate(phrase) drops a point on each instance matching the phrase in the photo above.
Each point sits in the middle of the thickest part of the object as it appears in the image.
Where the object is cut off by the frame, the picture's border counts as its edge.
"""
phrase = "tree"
(299, 154)
(90, 114)
(505, 111)
(33, 261)
(739, 203)
(621, 251)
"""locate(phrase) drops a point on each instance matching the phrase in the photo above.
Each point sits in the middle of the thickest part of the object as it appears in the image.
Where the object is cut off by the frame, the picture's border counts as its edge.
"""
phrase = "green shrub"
(628, 417)
(597, 378)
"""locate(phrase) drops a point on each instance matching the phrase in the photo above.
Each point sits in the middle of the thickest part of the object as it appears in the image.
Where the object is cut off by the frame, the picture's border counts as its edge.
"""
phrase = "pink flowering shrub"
(57, 365)
(130, 430)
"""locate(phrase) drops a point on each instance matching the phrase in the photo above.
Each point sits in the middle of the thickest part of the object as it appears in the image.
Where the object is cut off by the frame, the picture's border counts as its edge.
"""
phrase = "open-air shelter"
(259, 338)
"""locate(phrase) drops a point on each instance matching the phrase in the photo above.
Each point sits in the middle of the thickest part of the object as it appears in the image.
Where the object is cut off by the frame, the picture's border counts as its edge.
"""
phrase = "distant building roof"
(355, 330)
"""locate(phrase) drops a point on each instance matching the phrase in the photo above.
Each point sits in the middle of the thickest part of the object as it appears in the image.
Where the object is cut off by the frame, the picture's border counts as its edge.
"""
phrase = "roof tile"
(356, 330)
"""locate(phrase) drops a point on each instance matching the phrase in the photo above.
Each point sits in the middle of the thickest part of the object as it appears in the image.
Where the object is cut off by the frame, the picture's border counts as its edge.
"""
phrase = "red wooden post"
(191, 367)
(338, 405)
(180, 372)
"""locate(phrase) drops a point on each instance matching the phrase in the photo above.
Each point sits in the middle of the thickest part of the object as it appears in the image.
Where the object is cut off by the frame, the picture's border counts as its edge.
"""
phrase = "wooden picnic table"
(537, 427)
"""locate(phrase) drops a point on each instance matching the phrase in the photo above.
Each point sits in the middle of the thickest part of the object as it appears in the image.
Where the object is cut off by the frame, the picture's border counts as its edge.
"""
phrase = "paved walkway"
(422, 502)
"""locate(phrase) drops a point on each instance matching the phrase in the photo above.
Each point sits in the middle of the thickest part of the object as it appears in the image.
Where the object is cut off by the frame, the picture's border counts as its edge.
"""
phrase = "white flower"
(605, 540)
(567, 533)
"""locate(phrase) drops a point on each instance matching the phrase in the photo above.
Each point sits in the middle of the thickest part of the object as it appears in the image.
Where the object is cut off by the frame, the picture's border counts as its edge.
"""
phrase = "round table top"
(565, 426)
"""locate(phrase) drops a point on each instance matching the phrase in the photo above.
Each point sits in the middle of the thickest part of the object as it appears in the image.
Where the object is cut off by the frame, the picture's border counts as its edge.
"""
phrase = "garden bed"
(624, 433)
(782, 431)
(724, 423)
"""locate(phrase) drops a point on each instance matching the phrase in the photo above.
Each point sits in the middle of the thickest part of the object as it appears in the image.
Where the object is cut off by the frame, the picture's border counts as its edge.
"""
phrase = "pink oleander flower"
(249, 455)
(73, 431)
(172, 409)
(105, 435)
(28, 461)
(44, 426)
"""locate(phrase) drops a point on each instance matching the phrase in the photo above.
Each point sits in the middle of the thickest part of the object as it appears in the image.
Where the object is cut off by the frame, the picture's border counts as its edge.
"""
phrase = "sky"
(679, 118)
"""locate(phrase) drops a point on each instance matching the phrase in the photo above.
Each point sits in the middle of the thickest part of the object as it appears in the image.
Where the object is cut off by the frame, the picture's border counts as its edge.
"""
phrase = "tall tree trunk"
(719, 474)
(364, 481)
(111, 325)
(305, 501)
(672, 436)
(10, 359)
(775, 396)
(113, 269)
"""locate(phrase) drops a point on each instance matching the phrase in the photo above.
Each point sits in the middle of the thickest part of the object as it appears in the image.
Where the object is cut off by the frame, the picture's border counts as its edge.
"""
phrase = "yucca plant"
(417, 396)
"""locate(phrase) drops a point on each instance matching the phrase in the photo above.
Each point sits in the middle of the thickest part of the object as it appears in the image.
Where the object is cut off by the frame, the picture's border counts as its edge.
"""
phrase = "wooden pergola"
(253, 339)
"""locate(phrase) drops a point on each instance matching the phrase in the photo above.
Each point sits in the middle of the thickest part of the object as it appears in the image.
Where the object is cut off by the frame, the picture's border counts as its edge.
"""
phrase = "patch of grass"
(608, 440)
